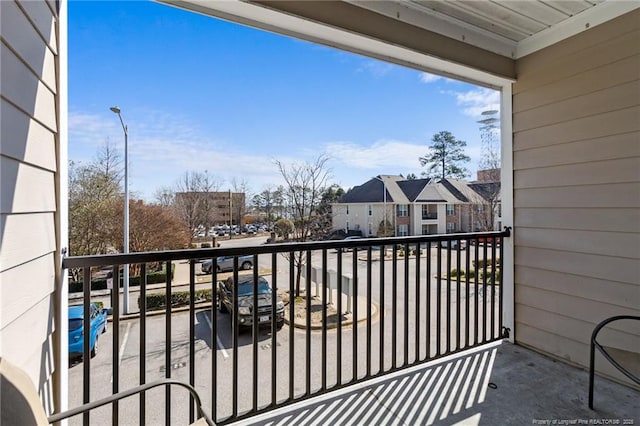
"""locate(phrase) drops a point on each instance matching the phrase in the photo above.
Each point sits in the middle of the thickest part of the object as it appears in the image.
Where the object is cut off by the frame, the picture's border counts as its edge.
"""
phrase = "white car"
(225, 263)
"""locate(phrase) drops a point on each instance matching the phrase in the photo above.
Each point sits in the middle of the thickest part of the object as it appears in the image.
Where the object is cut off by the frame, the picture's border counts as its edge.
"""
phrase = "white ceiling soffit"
(511, 28)
(269, 20)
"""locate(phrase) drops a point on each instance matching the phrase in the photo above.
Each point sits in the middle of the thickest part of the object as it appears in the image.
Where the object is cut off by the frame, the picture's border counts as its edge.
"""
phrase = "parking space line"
(122, 346)
(218, 342)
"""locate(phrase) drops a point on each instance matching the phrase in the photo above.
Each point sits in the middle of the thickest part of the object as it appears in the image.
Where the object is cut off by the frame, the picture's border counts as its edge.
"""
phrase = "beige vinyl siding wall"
(576, 142)
(28, 108)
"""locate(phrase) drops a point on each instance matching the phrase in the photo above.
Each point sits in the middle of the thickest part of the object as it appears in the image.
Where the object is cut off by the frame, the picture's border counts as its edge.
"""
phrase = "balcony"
(429, 215)
(387, 322)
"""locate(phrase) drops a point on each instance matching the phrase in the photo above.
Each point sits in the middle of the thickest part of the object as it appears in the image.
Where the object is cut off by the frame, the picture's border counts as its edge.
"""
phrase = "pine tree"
(446, 157)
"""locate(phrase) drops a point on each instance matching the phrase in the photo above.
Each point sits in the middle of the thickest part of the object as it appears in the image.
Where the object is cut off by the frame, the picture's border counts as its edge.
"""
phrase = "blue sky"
(198, 93)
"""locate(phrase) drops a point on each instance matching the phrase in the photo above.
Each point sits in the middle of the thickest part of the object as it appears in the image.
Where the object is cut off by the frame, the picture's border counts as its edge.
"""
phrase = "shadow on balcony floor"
(498, 384)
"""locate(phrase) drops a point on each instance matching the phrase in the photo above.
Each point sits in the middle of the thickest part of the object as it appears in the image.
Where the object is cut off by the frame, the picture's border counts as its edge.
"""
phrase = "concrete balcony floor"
(496, 384)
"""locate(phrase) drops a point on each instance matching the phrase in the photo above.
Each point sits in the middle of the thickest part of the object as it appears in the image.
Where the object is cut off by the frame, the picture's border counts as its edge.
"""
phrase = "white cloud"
(383, 154)
(476, 101)
(426, 77)
(159, 153)
(376, 68)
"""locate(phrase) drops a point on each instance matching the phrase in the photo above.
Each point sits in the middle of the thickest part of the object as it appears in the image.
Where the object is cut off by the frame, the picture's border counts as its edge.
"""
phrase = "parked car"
(244, 287)
(454, 244)
(488, 240)
(350, 238)
(225, 263)
(98, 321)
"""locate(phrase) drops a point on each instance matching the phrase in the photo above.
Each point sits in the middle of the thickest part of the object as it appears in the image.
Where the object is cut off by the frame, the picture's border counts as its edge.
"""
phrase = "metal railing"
(368, 307)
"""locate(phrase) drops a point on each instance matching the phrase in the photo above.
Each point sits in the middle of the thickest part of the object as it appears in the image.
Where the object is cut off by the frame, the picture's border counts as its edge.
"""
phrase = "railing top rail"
(187, 254)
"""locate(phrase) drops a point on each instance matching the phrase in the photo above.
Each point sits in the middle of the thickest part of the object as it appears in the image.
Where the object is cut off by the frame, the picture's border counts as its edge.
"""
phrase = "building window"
(403, 230)
(403, 210)
(480, 208)
(451, 211)
(370, 210)
(451, 227)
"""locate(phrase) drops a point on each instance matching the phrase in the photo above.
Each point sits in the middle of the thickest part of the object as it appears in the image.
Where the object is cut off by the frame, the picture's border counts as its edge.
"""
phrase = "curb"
(316, 327)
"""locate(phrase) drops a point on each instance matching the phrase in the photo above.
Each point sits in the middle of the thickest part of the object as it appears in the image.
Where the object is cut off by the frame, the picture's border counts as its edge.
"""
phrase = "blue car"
(98, 318)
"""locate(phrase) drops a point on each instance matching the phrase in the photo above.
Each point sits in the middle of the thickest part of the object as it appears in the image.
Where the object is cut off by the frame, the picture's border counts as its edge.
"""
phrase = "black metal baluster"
(292, 302)
(274, 327)
(167, 363)
(324, 320)
(192, 335)
(448, 303)
(354, 269)
(214, 339)
(500, 287)
(458, 279)
(493, 288)
(307, 286)
(484, 293)
(339, 334)
(369, 251)
(476, 297)
(405, 359)
(466, 294)
(383, 251)
(254, 334)
(438, 298)
(86, 325)
(234, 339)
(428, 291)
(417, 304)
(394, 306)
(115, 315)
(143, 339)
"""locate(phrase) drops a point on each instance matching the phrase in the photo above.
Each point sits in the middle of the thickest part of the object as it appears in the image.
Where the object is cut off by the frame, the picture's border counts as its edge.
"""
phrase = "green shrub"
(455, 273)
(179, 298)
(193, 245)
(205, 245)
(101, 283)
(471, 273)
(481, 263)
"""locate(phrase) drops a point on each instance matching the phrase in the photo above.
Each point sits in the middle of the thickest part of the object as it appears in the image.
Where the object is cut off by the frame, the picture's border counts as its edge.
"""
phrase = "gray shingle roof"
(369, 192)
(413, 188)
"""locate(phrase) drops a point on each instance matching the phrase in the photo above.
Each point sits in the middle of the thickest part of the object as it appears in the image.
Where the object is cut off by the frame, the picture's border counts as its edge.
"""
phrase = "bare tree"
(187, 201)
(304, 186)
(94, 191)
(207, 205)
(194, 200)
(165, 196)
(241, 193)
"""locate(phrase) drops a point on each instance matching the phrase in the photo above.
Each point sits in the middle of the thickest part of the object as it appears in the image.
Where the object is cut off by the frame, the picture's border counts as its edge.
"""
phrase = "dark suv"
(245, 301)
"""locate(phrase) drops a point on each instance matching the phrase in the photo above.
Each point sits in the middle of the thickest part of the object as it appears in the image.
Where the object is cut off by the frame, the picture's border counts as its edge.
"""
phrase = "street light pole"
(125, 275)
